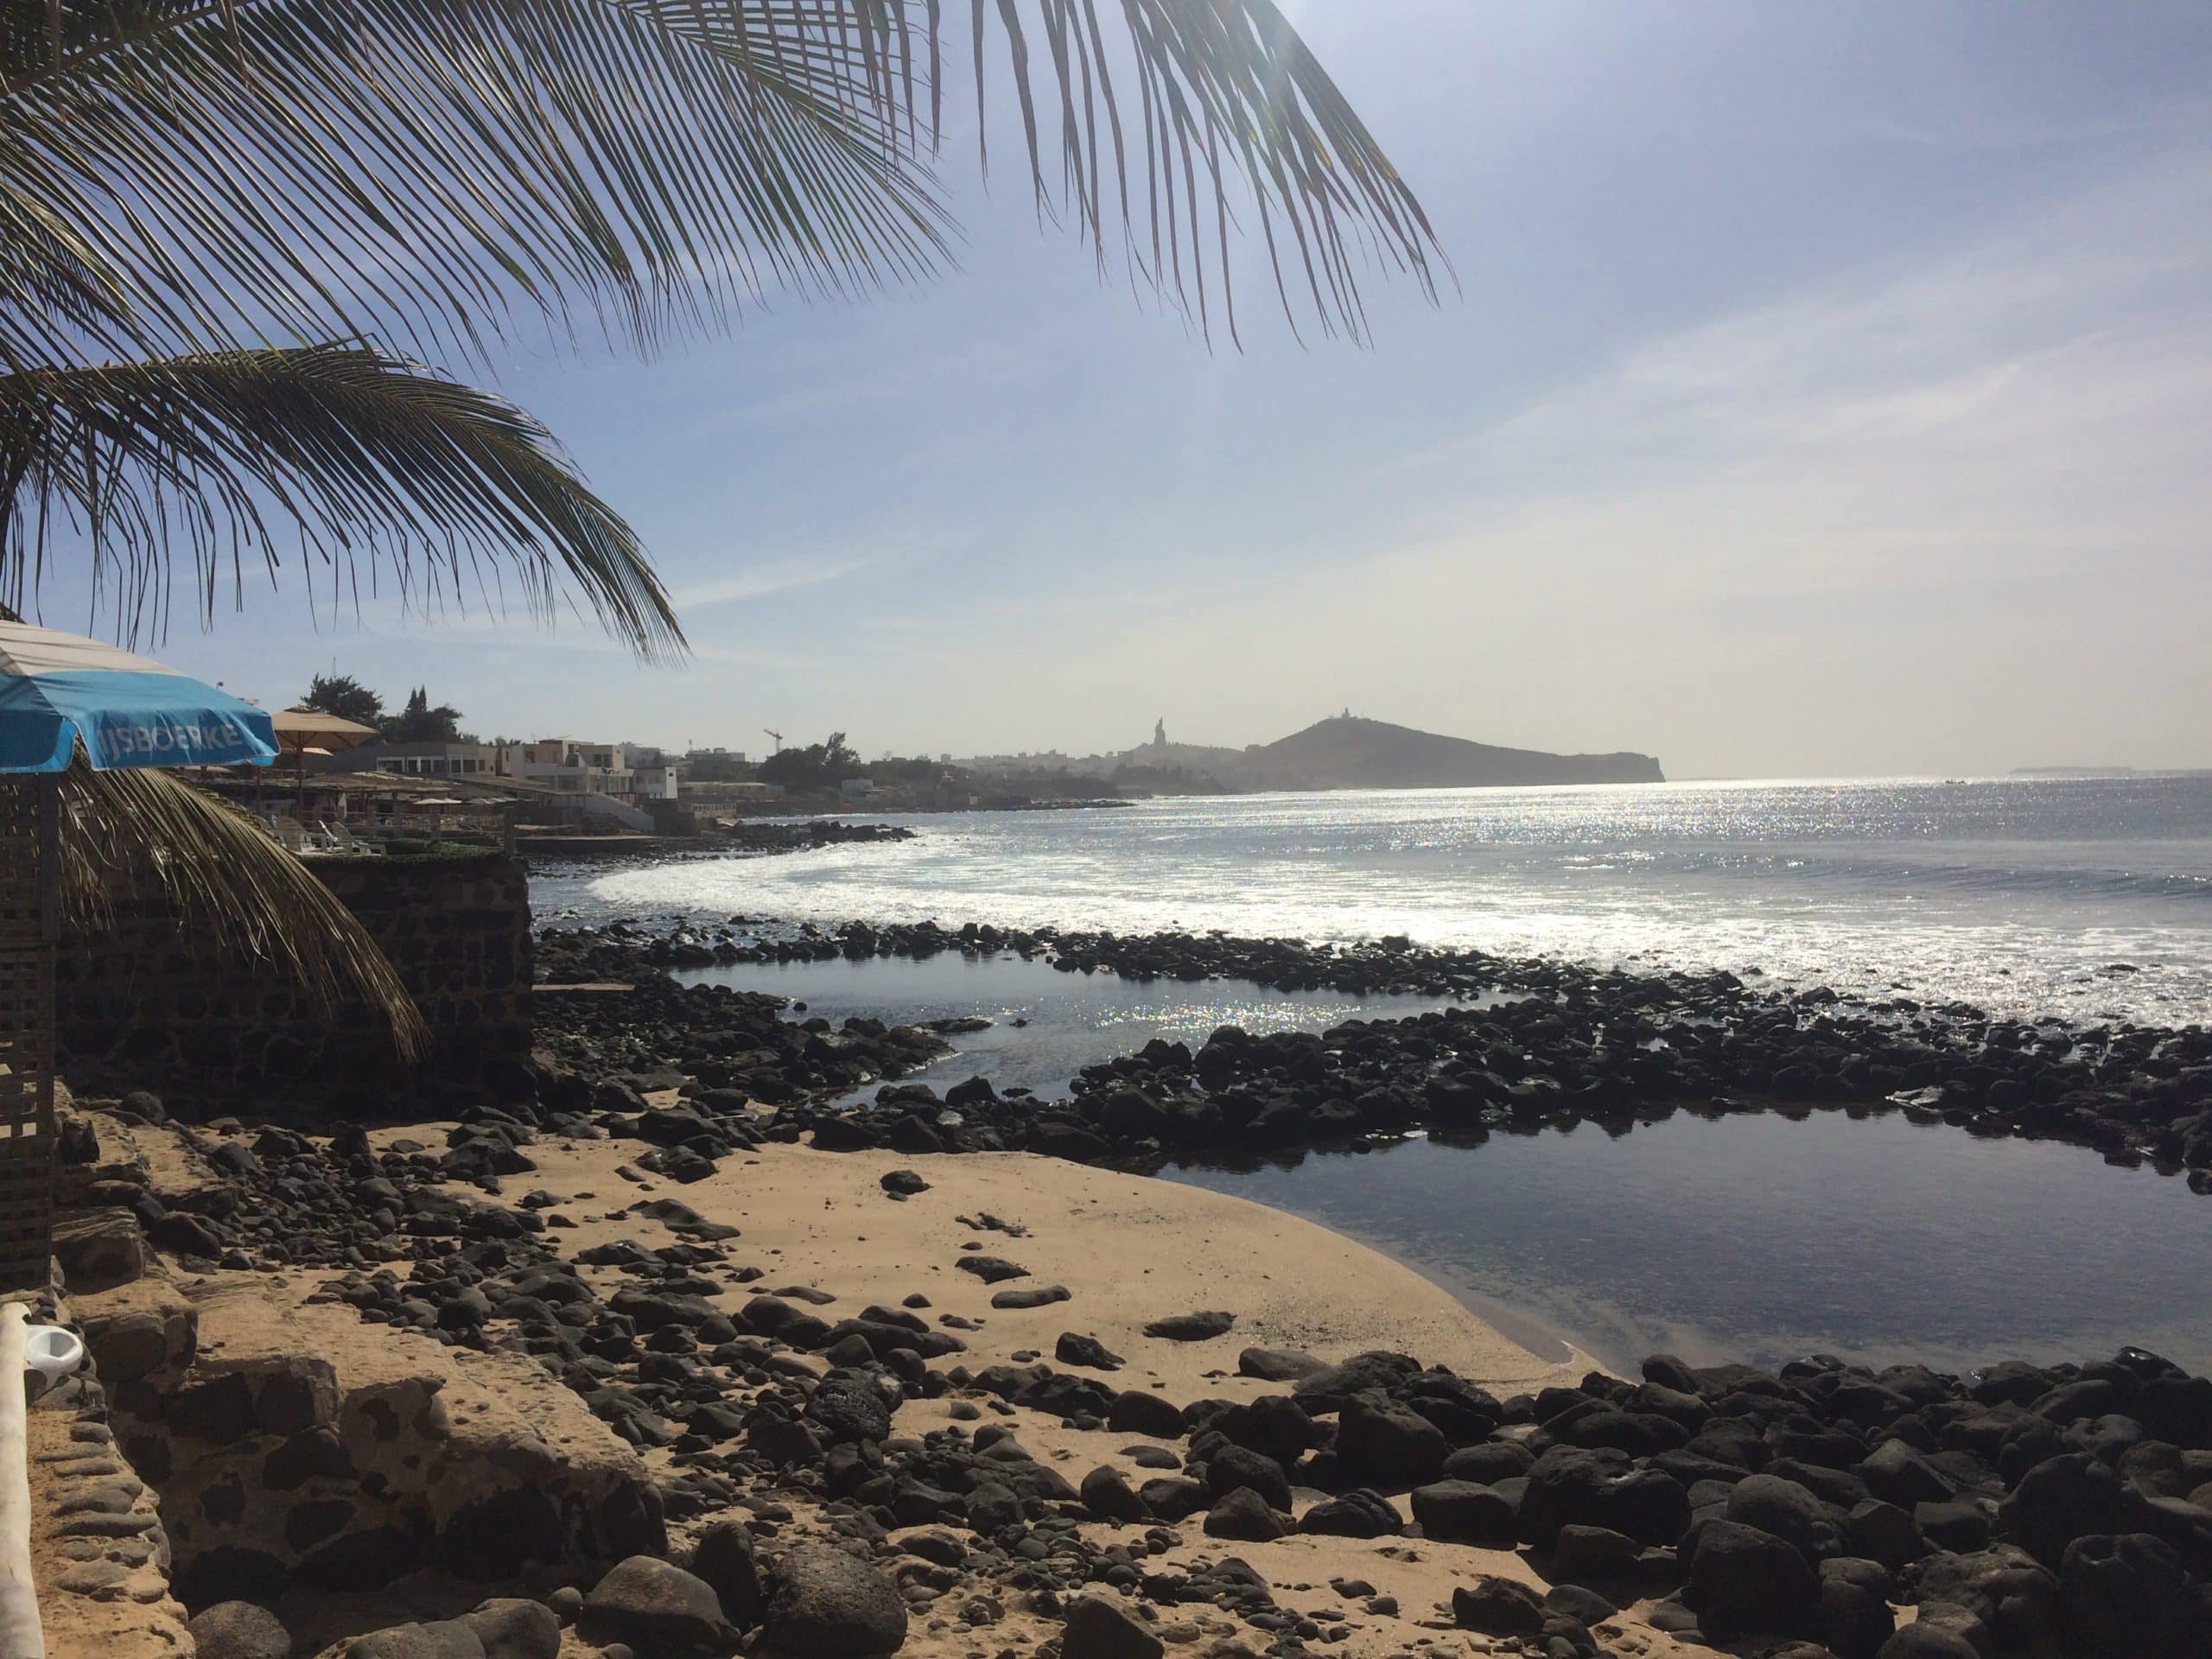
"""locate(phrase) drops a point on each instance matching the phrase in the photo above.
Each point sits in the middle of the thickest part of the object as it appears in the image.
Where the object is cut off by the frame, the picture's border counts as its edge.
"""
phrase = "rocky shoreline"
(2019, 1510)
(1521, 1044)
(741, 839)
(879, 1379)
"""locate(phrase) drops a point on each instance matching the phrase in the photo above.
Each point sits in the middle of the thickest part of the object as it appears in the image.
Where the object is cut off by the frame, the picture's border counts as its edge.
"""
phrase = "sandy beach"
(1129, 1250)
(958, 1403)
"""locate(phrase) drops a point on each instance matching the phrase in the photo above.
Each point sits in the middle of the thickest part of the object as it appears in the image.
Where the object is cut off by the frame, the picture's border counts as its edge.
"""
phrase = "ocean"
(1753, 1237)
(2086, 898)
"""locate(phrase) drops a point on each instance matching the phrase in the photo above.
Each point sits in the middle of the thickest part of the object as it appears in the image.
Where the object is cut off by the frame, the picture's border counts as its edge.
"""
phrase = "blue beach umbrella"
(57, 690)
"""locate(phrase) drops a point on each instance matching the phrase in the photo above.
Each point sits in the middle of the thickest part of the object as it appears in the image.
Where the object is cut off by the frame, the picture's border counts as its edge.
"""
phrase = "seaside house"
(416, 759)
(629, 786)
(569, 765)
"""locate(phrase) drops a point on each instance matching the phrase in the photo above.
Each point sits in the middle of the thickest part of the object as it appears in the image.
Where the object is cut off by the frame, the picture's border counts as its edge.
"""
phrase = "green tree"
(418, 722)
(248, 248)
(817, 766)
(346, 697)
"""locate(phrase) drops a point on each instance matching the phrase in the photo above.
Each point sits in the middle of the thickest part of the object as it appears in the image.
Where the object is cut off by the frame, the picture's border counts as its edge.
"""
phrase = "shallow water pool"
(1753, 1237)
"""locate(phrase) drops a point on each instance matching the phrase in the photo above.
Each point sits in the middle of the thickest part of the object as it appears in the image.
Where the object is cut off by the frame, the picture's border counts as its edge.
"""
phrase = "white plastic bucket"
(52, 1352)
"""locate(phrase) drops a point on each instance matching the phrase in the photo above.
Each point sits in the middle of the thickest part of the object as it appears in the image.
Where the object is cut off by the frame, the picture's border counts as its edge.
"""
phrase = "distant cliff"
(1345, 753)
(1349, 753)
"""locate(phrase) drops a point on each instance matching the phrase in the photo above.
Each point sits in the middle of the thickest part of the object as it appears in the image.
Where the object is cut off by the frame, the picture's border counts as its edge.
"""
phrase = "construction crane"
(779, 736)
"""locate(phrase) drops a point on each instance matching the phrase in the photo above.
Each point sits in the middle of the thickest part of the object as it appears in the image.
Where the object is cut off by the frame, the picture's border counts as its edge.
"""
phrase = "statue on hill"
(1159, 733)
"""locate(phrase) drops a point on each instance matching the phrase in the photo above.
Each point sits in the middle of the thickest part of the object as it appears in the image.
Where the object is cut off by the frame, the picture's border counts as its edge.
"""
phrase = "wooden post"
(50, 928)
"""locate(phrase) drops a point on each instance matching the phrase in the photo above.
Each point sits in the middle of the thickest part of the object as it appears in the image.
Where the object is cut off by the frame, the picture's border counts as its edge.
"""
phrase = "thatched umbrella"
(302, 732)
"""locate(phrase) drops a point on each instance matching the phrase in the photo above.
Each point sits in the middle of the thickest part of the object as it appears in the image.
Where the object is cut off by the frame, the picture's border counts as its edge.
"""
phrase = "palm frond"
(376, 464)
(412, 170)
(230, 884)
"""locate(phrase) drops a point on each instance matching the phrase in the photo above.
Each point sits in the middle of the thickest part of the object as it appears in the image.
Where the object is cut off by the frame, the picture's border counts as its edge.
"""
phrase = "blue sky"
(1826, 392)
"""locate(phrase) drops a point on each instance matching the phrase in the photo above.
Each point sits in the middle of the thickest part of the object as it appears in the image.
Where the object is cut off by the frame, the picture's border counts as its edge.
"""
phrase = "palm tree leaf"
(377, 464)
(413, 168)
(230, 884)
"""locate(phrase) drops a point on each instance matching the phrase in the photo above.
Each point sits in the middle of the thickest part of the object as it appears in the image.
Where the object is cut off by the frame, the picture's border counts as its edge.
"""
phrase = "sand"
(1129, 1250)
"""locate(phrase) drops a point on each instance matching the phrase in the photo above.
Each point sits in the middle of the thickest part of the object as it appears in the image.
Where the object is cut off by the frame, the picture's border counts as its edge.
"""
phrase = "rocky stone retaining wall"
(144, 997)
(294, 1449)
(100, 1554)
(292, 1443)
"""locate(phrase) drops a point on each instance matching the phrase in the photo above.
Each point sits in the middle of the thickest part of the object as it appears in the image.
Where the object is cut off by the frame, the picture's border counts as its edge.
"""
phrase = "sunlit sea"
(1749, 1236)
(2090, 898)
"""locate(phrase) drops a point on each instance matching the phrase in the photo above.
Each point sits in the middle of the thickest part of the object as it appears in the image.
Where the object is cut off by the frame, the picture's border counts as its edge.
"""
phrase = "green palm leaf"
(413, 168)
(371, 461)
(228, 883)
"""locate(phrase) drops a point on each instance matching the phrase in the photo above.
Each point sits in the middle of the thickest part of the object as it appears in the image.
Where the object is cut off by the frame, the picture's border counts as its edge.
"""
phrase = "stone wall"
(290, 1442)
(99, 1554)
(148, 1004)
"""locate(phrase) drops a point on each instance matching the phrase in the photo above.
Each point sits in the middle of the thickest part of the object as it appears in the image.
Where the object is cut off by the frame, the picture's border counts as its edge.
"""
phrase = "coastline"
(949, 1361)
(779, 1342)
(1512, 1042)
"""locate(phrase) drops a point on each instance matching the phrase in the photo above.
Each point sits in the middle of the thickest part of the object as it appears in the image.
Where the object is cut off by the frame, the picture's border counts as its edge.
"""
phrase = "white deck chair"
(343, 840)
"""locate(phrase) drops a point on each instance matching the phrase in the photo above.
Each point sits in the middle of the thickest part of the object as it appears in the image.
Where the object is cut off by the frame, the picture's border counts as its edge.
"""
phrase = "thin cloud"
(758, 580)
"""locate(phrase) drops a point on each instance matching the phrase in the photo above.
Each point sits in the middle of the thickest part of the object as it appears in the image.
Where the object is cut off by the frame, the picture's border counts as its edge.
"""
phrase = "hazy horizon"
(1824, 396)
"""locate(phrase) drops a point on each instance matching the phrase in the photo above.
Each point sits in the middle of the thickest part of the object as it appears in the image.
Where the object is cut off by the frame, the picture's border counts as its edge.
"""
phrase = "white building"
(570, 766)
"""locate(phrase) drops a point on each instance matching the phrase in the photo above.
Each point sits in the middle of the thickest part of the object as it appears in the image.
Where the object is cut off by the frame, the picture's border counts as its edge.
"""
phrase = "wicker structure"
(29, 924)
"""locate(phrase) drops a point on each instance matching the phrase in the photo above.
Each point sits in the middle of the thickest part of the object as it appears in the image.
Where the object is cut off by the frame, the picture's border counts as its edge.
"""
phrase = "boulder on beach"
(1074, 1348)
(1464, 1512)
(725, 1561)
(1108, 1496)
(446, 1639)
(1747, 1582)
(1192, 1327)
(991, 1270)
(654, 1605)
(240, 1630)
(1277, 1364)
(1243, 1515)
(828, 1605)
(1495, 1606)
(1032, 1296)
(1101, 1627)
(1385, 1444)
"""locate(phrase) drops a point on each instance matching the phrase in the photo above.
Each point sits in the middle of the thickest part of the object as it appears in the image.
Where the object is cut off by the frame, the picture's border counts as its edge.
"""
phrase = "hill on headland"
(1347, 751)
(1343, 751)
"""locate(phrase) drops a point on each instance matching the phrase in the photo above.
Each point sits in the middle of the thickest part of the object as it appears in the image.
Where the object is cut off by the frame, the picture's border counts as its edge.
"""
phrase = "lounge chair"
(343, 840)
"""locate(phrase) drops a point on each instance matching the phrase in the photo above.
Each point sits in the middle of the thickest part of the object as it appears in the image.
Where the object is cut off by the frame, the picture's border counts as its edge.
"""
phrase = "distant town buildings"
(728, 792)
(417, 760)
(627, 771)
